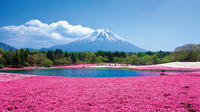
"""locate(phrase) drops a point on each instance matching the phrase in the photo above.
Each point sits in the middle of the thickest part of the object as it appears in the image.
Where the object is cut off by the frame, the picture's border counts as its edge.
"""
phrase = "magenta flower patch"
(167, 93)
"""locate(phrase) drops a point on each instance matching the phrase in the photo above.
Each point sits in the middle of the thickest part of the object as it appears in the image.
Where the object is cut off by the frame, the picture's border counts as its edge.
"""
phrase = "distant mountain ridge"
(6, 46)
(101, 39)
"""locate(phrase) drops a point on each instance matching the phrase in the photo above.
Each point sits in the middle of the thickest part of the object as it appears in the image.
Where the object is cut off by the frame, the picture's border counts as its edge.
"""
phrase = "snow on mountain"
(101, 35)
(101, 39)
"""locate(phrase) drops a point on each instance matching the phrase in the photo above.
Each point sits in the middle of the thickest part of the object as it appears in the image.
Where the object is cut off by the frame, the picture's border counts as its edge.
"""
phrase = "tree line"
(24, 57)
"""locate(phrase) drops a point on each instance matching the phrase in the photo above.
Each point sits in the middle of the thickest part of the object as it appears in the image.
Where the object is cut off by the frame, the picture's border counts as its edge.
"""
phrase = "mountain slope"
(6, 46)
(100, 40)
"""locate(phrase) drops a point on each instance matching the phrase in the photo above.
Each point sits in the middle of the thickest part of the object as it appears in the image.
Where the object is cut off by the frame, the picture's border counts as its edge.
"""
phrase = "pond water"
(84, 72)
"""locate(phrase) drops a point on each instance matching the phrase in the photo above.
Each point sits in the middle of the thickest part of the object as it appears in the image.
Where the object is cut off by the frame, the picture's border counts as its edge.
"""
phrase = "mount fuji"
(101, 39)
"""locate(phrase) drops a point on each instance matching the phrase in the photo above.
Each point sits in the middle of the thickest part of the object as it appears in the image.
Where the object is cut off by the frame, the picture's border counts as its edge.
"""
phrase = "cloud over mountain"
(36, 34)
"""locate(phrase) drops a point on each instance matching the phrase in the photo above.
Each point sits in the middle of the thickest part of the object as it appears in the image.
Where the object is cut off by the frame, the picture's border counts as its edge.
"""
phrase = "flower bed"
(153, 67)
(10, 76)
(151, 93)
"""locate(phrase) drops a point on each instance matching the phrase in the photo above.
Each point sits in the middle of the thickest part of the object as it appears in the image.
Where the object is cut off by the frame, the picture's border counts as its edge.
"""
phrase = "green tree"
(2, 60)
(141, 54)
(100, 59)
(93, 59)
(47, 62)
(135, 60)
(39, 57)
(9, 56)
(110, 57)
(31, 59)
(58, 53)
(50, 55)
(60, 61)
(73, 58)
(167, 59)
(17, 58)
(66, 54)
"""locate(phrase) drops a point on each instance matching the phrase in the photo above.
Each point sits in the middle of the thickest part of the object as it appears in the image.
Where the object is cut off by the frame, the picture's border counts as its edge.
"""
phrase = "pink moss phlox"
(153, 67)
(168, 93)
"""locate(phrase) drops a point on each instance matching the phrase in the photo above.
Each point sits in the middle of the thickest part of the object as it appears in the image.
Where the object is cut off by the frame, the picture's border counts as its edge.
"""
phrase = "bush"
(62, 61)
(1, 66)
(25, 64)
(47, 62)
(17, 66)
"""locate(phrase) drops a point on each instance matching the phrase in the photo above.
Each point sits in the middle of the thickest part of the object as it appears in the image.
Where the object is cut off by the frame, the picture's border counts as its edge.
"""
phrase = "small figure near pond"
(163, 72)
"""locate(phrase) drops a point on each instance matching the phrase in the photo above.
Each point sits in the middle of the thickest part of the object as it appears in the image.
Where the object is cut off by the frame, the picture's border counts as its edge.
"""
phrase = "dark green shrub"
(17, 66)
(1, 66)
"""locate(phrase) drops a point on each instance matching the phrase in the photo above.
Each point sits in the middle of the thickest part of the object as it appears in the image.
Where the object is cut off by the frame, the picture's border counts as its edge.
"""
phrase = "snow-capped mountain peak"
(101, 39)
(102, 30)
(101, 35)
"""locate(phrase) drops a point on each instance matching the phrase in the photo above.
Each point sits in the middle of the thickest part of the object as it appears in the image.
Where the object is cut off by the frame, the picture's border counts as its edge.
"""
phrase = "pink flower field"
(8, 76)
(170, 93)
(153, 67)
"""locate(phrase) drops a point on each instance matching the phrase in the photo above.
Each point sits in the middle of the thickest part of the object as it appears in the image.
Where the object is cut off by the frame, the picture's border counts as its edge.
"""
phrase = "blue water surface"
(84, 72)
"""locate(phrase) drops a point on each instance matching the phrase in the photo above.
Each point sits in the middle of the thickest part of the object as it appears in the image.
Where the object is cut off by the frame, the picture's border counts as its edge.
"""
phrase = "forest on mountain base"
(24, 57)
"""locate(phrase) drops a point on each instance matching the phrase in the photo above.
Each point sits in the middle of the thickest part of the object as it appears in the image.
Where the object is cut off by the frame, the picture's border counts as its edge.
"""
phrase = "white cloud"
(35, 34)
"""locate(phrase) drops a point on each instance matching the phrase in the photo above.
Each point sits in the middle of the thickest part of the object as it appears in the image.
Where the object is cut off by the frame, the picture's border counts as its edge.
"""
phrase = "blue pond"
(85, 72)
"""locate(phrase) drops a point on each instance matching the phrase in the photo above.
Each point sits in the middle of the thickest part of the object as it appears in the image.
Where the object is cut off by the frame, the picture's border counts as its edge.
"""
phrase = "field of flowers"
(154, 67)
(4, 77)
(167, 93)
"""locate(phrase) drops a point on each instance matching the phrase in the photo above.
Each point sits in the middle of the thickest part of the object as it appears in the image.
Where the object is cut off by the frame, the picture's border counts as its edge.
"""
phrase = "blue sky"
(150, 24)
